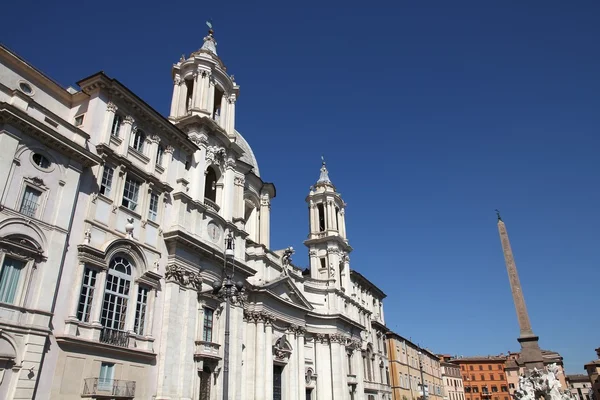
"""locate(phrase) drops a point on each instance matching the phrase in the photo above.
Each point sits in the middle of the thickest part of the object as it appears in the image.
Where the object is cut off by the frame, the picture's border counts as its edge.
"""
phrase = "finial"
(498, 215)
(322, 159)
(210, 27)
(324, 177)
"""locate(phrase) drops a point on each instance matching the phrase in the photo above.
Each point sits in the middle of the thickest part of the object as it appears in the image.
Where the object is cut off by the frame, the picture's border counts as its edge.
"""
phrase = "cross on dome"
(210, 43)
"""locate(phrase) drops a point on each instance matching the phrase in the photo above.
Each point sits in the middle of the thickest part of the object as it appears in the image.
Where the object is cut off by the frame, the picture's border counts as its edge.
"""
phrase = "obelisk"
(531, 355)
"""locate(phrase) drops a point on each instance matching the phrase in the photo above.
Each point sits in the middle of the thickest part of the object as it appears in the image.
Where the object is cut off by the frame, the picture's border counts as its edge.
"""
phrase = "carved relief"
(282, 349)
(183, 277)
(215, 155)
(239, 181)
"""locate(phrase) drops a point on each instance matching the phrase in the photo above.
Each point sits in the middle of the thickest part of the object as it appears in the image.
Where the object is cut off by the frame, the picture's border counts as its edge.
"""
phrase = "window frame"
(114, 133)
(153, 213)
(112, 181)
(109, 320)
(82, 116)
(88, 297)
(138, 140)
(39, 210)
(30, 259)
(208, 334)
(130, 201)
(141, 310)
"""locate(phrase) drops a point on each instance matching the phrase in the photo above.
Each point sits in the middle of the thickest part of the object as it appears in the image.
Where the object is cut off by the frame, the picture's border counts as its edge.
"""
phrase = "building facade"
(120, 299)
(44, 160)
(579, 386)
(483, 377)
(593, 370)
(406, 360)
(513, 368)
(453, 383)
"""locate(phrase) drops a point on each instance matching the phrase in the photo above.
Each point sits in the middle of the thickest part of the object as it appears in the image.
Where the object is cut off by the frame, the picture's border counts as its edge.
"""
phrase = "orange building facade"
(484, 378)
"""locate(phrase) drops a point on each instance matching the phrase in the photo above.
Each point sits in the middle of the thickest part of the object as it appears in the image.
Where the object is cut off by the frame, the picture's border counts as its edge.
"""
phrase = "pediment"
(285, 289)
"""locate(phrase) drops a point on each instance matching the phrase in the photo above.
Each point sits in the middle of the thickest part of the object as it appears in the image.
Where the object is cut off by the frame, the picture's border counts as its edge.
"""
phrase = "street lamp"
(230, 292)
(422, 379)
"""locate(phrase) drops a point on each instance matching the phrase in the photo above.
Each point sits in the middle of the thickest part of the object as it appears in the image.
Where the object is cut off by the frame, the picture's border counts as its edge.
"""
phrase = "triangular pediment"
(285, 289)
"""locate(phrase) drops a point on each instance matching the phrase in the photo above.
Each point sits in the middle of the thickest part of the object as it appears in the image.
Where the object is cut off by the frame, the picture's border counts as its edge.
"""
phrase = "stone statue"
(286, 259)
(539, 384)
(129, 228)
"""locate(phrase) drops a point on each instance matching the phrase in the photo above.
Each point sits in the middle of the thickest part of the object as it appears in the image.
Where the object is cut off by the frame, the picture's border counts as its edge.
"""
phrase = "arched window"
(210, 185)
(116, 297)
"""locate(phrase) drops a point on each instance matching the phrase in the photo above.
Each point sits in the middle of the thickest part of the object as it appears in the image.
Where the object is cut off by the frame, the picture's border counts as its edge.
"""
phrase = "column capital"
(111, 107)
(128, 120)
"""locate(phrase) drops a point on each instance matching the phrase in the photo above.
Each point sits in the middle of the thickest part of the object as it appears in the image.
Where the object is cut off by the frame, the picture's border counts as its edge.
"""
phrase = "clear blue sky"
(431, 114)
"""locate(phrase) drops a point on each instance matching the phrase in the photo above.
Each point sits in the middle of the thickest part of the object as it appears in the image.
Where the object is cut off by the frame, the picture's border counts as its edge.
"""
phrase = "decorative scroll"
(183, 276)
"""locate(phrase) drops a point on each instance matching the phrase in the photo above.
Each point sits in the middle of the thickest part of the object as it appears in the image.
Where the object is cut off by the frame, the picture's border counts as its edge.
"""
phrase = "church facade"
(126, 298)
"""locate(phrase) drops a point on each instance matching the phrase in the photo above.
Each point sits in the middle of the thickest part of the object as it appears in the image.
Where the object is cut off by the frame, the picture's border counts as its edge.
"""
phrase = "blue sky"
(430, 114)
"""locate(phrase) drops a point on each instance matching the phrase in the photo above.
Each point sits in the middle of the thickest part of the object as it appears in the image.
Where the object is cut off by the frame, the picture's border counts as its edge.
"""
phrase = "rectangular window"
(130, 193)
(116, 125)
(208, 325)
(482, 377)
(491, 377)
(140, 311)
(349, 356)
(86, 296)
(490, 367)
(153, 209)
(31, 201)
(159, 155)
(9, 279)
(481, 367)
(107, 178)
(501, 377)
(114, 306)
(107, 372)
(139, 137)
(470, 368)
(323, 262)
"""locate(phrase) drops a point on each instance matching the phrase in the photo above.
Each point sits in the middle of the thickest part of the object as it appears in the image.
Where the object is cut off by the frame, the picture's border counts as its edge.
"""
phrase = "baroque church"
(135, 253)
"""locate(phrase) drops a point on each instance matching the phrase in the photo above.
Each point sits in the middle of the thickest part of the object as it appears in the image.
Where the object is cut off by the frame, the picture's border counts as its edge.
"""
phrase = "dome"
(248, 156)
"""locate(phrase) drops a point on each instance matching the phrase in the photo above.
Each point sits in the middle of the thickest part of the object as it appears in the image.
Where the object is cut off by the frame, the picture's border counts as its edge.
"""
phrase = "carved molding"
(169, 149)
(111, 107)
(215, 155)
(128, 120)
(239, 181)
(183, 277)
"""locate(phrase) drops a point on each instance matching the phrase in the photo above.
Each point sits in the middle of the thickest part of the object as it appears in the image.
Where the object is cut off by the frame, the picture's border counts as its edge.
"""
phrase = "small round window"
(25, 88)
(41, 161)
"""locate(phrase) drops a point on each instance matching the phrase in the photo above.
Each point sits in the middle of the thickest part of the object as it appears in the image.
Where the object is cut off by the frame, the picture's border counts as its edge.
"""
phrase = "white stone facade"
(117, 297)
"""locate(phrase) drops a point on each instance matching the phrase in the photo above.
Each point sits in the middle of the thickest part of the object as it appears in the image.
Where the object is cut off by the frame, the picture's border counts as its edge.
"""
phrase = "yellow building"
(593, 370)
(406, 361)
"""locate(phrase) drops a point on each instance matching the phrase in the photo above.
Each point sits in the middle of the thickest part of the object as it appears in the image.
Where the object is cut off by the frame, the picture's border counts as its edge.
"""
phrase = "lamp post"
(422, 379)
(229, 292)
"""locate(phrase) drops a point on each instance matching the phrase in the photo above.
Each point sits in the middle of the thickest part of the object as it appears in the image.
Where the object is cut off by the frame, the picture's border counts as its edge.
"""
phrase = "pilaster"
(259, 361)
(175, 100)
(109, 116)
(323, 366)
(181, 110)
(126, 129)
(268, 357)
(265, 219)
(229, 189)
(300, 370)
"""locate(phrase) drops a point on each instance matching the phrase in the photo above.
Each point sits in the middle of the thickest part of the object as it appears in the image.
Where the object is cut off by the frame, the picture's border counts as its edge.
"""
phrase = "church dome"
(248, 156)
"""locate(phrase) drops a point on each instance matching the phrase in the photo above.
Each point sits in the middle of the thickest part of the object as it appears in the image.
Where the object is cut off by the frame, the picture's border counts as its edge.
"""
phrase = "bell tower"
(327, 244)
(202, 87)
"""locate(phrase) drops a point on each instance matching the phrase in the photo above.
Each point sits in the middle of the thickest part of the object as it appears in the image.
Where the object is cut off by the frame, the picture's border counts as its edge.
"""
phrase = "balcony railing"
(108, 388)
(207, 349)
(114, 337)
(211, 205)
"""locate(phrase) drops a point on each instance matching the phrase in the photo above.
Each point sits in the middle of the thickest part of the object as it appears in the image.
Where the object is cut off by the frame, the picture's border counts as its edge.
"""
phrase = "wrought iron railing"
(114, 337)
(113, 388)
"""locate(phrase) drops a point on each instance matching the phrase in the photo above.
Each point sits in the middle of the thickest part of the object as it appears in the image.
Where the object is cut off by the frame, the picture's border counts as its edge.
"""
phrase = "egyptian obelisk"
(531, 355)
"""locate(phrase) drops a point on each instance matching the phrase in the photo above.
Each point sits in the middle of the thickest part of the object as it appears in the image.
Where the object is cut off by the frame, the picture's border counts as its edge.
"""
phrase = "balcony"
(211, 205)
(207, 350)
(114, 337)
(108, 389)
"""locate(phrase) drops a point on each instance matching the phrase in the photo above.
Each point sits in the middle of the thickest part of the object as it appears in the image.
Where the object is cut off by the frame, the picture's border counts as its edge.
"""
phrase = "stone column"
(265, 219)
(250, 357)
(231, 114)
(338, 375)
(181, 110)
(204, 82)
(197, 89)
(198, 176)
(223, 114)
(175, 99)
(268, 363)
(228, 190)
(109, 116)
(239, 182)
(291, 376)
(153, 142)
(210, 101)
(342, 222)
(323, 367)
(96, 311)
(259, 361)
(126, 130)
(300, 363)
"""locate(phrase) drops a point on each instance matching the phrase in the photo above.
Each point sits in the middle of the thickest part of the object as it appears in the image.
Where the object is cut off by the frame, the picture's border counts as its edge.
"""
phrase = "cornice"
(114, 88)
(14, 116)
(103, 348)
